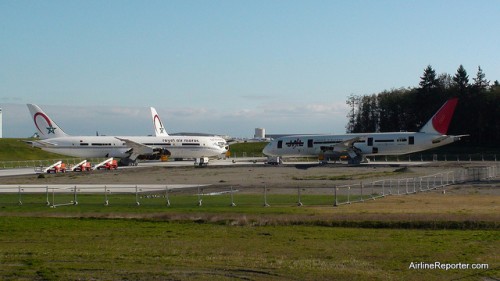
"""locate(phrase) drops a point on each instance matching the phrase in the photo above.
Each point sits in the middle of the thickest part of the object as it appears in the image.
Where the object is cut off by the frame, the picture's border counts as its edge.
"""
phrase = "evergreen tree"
(368, 115)
(480, 105)
(480, 82)
(353, 102)
(429, 93)
(461, 80)
(428, 79)
(493, 114)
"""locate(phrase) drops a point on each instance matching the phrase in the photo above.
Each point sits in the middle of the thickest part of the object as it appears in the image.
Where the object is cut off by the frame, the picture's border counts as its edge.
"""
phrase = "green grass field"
(247, 149)
(249, 242)
(36, 248)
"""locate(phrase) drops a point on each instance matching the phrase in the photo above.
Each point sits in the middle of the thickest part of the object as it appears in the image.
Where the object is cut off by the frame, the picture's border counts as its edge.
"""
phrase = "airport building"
(260, 133)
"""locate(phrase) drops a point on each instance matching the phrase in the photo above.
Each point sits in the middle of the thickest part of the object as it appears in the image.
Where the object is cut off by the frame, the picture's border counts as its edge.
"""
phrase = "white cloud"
(306, 109)
(115, 120)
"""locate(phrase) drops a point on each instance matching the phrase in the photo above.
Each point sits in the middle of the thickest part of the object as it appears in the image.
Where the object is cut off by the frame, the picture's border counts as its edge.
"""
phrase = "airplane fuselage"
(110, 146)
(369, 144)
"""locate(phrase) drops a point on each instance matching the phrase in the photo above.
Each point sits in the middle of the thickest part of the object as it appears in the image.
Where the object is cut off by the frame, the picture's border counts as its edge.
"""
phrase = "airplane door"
(310, 143)
(280, 144)
(411, 140)
(370, 141)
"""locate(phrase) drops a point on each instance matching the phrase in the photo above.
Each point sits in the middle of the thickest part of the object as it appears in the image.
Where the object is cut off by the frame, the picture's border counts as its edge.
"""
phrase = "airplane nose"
(267, 149)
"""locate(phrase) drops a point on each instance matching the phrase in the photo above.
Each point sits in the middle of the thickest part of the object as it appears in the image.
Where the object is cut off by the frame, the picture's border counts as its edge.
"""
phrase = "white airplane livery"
(358, 146)
(128, 148)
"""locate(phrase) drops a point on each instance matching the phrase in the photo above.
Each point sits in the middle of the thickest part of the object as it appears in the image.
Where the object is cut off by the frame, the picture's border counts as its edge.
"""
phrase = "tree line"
(408, 109)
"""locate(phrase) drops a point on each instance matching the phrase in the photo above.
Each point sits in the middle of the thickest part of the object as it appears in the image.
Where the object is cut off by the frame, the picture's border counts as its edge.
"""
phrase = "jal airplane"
(358, 146)
(127, 148)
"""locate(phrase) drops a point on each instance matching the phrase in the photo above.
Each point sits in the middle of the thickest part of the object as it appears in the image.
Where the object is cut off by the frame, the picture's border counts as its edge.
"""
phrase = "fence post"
(137, 196)
(199, 197)
(362, 192)
(75, 202)
(166, 196)
(232, 198)
(335, 204)
(300, 202)
(265, 197)
(20, 202)
(106, 201)
(47, 191)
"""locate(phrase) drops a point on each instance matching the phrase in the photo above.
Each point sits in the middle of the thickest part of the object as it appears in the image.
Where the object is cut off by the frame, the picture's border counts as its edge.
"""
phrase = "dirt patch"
(244, 176)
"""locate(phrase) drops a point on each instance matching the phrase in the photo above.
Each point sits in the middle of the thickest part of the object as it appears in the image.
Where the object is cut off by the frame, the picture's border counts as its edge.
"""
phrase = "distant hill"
(19, 150)
(249, 148)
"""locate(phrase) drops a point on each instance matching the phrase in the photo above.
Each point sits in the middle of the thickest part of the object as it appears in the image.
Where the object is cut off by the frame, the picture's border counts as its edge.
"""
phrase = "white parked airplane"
(358, 146)
(128, 148)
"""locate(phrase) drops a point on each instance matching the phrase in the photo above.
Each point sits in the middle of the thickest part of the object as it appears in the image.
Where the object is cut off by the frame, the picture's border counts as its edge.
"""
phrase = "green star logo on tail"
(51, 130)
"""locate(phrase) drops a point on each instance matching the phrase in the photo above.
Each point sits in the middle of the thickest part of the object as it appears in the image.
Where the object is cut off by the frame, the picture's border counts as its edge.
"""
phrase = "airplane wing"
(41, 143)
(136, 148)
(444, 137)
(345, 146)
(347, 143)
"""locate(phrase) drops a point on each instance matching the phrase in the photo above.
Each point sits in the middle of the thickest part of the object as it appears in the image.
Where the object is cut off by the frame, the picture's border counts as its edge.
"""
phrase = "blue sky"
(227, 67)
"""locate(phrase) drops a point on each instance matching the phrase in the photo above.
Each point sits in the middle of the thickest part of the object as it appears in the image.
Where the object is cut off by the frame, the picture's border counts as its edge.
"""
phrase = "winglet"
(157, 124)
(46, 128)
(440, 122)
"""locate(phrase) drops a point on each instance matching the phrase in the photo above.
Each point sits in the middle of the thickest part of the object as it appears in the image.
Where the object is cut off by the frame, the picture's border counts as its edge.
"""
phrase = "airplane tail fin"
(46, 128)
(157, 124)
(440, 122)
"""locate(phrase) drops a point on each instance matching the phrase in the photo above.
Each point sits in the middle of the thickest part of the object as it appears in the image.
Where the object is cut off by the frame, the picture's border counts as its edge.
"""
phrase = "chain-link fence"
(187, 196)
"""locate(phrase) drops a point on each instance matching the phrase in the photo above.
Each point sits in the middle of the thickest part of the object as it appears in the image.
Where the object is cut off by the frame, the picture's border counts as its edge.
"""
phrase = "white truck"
(202, 161)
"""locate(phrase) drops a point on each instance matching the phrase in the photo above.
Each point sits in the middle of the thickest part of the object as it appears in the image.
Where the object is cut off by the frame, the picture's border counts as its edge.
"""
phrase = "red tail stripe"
(441, 121)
